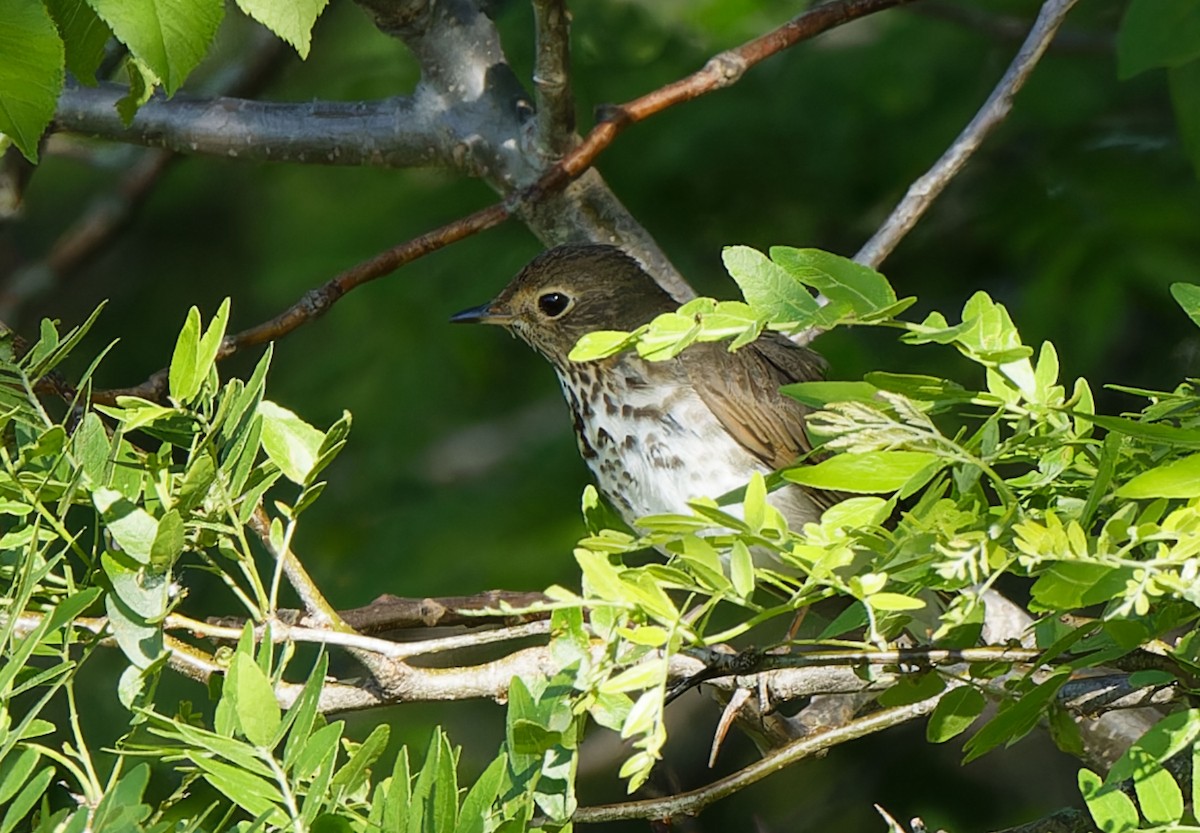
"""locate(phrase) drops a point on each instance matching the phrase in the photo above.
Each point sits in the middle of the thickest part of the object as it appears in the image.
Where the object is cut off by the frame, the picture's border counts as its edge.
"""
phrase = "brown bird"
(656, 434)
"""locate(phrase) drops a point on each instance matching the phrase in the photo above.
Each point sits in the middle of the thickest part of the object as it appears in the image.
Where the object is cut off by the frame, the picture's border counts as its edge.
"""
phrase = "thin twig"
(392, 613)
(282, 633)
(693, 801)
(552, 80)
(720, 72)
(925, 190)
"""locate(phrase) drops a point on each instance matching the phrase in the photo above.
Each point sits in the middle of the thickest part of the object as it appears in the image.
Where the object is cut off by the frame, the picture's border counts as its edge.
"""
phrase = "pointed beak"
(482, 314)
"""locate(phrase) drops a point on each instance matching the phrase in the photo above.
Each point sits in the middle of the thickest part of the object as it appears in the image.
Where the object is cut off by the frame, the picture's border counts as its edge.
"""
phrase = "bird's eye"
(553, 304)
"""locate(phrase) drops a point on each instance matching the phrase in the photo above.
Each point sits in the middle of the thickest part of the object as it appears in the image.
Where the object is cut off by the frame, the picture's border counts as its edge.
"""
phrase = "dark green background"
(1077, 214)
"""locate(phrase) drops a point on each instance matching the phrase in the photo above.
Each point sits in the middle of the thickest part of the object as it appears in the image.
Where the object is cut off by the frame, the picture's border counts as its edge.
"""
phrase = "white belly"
(647, 466)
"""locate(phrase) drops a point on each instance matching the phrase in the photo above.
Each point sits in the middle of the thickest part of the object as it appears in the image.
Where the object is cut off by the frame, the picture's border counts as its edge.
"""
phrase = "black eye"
(553, 304)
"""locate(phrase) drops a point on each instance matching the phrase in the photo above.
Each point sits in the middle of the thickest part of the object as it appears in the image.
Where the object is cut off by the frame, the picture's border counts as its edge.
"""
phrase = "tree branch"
(925, 190)
(693, 801)
(556, 215)
(394, 132)
(555, 122)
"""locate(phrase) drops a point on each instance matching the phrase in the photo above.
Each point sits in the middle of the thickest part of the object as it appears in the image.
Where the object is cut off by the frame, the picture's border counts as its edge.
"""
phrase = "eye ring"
(553, 304)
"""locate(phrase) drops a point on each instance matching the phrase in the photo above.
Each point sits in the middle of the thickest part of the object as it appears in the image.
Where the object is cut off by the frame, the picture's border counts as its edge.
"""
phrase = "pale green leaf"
(868, 472)
(84, 34)
(31, 72)
(954, 714)
(741, 569)
(893, 602)
(290, 442)
(291, 20)
(1177, 479)
(768, 288)
(131, 527)
(183, 379)
(1187, 295)
(1111, 809)
(169, 36)
(838, 278)
(257, 709)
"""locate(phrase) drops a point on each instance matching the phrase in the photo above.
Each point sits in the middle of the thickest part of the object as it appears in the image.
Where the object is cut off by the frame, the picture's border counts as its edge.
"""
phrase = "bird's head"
(569, 291)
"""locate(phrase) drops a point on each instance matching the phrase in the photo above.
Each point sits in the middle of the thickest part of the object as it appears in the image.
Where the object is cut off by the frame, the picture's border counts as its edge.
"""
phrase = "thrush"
(658, 434)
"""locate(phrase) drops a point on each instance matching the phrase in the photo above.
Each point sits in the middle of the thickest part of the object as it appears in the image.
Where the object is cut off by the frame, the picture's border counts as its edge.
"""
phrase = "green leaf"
(954, 714)
(169, 36)
(869, 472)
(1158, 795)
(31, 72)
(769, 288)
(1152, 431)
(252, 793)
(291, 20)
(15, 769)
(1177, 479)
(1067, 585)
(893, 602)
(820, 394)
(168, 541)
(183, 379)
(1187, 295)
(356, 771)
(477, 804)
(1015, 718)
(143, 592)
(1111, 809)
(741, 569)
(290, 442)
(84, 34)
(142, 83)
(320, 747)
(91, 448)
(1184, 82)
(139, 640)
(302, 715)
(131, 527)
(1157, 33)
(26, 799)
(257, 708)
(920, 387)
(599, 344)
(1162, 741)
(837, 278)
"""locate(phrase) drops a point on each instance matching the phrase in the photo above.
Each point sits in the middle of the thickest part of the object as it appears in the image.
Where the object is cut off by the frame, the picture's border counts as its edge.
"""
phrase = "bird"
(658, 434)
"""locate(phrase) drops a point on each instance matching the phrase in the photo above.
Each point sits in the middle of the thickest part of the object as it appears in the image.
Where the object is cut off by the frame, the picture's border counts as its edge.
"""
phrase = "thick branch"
(552, 80)
(394, 132)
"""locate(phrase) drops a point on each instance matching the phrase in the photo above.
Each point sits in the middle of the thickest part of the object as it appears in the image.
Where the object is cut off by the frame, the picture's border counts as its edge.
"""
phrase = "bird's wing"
(742, 391)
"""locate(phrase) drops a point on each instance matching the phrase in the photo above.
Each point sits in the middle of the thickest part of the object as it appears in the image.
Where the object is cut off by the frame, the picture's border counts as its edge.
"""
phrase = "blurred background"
(462, 474)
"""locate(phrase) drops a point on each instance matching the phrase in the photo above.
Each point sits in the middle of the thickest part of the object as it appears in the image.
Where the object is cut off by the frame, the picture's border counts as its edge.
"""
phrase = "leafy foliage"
(166, 40)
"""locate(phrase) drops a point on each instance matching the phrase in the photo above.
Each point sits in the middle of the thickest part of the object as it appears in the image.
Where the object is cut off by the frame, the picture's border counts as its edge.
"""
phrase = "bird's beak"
(483, 314)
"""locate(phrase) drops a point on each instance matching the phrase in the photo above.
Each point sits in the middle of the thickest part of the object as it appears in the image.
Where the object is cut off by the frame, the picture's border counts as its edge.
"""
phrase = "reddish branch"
(721, 71)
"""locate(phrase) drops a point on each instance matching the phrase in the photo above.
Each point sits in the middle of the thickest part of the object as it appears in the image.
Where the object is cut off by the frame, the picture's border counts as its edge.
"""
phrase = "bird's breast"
(651, 442)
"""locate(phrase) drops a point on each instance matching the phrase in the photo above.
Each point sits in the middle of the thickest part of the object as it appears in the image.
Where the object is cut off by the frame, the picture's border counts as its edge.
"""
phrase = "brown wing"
(742, 391)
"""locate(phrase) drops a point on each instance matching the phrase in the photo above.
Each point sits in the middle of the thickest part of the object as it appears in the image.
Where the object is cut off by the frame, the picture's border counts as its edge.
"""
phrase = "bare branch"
(925, 190)
(394, 132)
(392, 613)
(551, 79)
